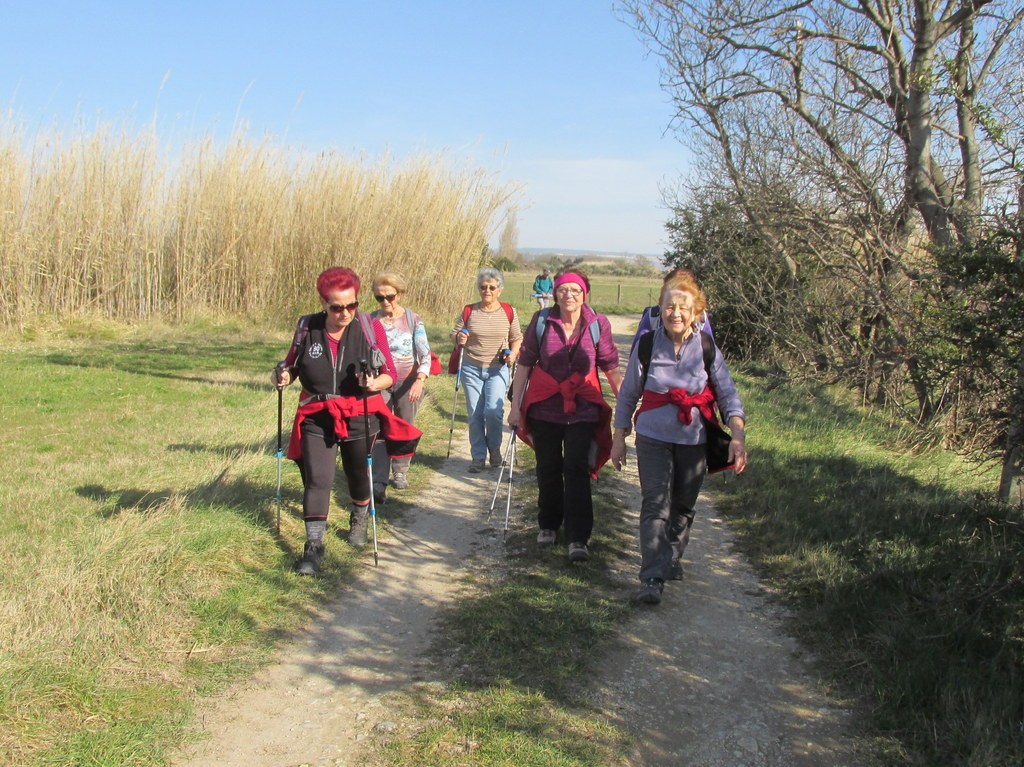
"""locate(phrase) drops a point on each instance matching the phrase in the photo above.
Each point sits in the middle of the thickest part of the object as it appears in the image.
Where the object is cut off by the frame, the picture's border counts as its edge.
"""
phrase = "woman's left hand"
(377, 383)
(738, 454)
(416, 390)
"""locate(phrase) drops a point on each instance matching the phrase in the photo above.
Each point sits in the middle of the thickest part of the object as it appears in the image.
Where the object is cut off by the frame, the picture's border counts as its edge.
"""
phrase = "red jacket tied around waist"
(400, 436)
(543, 386)
(683, 400)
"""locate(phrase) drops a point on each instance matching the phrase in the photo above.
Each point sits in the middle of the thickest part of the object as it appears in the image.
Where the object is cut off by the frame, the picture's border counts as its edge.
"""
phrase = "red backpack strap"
(508, 311)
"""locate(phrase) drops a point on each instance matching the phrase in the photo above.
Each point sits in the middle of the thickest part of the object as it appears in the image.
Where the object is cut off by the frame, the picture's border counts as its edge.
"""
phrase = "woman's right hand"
(462, 337)
(618, 454)
(280, 377)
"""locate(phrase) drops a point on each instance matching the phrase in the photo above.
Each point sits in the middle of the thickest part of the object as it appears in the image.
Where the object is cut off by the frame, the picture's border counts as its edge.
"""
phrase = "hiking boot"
(311, 556)
(475, 466)
(547, 537)
(578, 552)
(675, 572)
(495, 459)
(400, 481)
(650, 591)
(357, 526)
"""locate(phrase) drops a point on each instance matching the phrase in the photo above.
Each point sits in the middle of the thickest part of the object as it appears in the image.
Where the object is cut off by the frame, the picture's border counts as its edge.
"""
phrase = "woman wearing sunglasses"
(410, 351)
(341, 409)
(490, 335)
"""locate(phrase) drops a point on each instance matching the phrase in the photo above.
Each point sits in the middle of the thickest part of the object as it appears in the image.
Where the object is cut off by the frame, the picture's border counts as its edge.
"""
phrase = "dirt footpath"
(707, 678)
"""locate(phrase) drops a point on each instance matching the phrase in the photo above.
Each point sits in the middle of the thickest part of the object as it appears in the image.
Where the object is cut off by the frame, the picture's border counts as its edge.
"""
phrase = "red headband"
(573, 278)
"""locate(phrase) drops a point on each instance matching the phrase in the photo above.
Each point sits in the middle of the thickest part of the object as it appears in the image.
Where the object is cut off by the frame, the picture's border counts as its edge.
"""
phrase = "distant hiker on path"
(328, 354)
(490, 336)
(542, 287)
(562, 413)
(681, 379)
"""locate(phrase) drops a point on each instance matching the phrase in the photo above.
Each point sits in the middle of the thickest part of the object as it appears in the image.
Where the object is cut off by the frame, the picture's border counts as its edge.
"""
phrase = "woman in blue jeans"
(490, 336)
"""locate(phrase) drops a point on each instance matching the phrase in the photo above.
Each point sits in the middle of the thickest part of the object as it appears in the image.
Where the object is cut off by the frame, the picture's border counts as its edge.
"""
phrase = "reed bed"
(108, 224)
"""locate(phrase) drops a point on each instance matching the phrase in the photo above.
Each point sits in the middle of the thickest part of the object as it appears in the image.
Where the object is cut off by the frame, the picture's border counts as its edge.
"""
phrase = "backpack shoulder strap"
(508, 311)
(466, 311)
(542, 321)
(595, 332)
(707, 345)
(376, 355)
(644, 348)
(301, 336)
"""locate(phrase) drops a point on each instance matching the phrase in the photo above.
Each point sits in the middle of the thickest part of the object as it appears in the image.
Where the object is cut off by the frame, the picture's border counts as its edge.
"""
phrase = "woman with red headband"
(342, 358)
(680, 375)
(562, 412)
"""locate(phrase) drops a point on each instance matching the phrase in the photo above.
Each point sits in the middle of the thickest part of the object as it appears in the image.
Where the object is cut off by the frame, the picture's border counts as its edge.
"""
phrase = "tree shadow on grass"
(908, 590)
(192, 359)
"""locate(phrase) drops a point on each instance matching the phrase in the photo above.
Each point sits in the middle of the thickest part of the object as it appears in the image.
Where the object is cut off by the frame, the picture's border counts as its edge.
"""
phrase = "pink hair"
(336, 278)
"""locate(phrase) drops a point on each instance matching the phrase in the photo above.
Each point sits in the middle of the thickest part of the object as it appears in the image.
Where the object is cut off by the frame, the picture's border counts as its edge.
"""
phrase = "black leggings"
(319, 462)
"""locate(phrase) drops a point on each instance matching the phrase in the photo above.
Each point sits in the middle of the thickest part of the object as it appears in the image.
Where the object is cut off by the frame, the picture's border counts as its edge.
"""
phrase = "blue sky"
(554, 95)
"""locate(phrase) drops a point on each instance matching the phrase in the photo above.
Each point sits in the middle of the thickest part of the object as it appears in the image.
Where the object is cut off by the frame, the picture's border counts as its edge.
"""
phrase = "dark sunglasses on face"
(389, 298)
(336, 308)
(489, 288)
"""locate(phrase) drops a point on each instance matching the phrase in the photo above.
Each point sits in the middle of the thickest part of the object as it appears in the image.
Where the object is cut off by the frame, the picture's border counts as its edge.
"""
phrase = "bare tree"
(855, 136)
(508, 245)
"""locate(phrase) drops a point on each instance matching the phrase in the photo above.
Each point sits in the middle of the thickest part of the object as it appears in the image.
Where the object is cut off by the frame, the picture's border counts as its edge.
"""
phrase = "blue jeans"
(485, 407)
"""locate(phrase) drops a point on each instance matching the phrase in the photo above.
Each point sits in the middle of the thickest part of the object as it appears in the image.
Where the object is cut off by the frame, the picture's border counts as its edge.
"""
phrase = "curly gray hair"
(489, 273)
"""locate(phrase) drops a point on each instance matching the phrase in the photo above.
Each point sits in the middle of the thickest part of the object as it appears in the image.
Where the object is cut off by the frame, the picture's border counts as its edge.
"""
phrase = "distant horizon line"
(588, 252)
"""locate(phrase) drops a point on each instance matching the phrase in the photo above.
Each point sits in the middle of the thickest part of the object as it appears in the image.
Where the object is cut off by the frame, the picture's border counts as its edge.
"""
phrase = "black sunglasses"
(389, 298)
(336, 308)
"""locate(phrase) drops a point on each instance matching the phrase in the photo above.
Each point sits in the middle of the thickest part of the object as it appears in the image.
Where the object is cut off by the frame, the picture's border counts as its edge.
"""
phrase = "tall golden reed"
(104, 224)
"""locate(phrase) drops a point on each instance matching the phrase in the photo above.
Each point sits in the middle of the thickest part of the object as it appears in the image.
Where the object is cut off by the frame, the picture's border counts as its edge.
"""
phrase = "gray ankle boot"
(357, 526)
(311, 556)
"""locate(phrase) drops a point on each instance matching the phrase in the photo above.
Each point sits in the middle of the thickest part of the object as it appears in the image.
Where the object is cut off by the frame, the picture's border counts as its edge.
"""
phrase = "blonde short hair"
(686, 283)
(392, 280)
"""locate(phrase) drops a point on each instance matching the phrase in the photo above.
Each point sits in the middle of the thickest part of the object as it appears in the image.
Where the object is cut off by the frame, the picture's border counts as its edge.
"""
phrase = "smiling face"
(569, 297)
(678, 313)
(490, 291)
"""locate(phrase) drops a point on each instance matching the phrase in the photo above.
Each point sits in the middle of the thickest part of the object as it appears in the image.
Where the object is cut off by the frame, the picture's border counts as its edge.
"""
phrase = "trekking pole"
(501, 473)
(280, 405)
(511, 469)
(455, 402)
(364, 369)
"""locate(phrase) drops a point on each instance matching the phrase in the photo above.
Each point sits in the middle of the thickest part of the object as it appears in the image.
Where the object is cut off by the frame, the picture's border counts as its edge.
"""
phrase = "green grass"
(609, 295)
(141, 563)
(908, 582)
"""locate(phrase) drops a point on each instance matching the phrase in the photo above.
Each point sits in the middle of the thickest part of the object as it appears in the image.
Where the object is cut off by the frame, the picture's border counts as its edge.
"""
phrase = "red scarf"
(683, 400)
(399, 434)
(543, 386)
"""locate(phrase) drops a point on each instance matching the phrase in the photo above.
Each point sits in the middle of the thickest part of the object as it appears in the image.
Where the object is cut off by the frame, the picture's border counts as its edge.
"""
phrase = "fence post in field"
(618, 293)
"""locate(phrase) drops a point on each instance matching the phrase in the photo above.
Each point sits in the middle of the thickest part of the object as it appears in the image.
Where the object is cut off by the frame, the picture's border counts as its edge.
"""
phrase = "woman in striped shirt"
(490, 336)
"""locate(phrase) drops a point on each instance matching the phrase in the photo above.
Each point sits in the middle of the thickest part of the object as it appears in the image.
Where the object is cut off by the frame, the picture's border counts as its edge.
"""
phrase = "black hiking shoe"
(650, 591)
(311, 556)
(675, 572)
